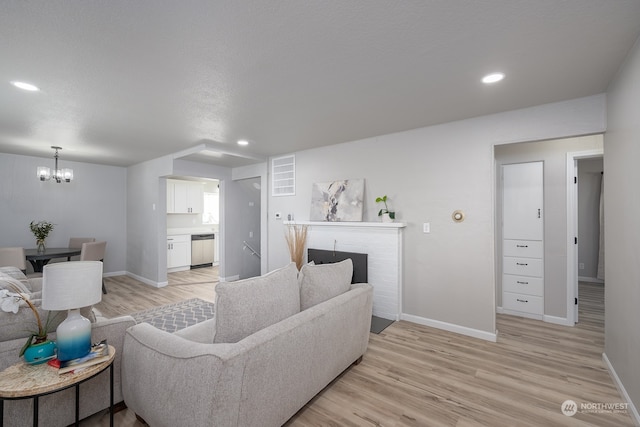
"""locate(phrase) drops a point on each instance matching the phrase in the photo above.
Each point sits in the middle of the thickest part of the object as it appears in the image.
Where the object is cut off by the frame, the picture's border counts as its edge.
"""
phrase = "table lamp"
(70, 286)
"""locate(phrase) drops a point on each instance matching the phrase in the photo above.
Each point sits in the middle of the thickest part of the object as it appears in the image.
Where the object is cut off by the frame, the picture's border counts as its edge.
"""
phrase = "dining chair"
(76, 242)
(13, 257)
(94, 251)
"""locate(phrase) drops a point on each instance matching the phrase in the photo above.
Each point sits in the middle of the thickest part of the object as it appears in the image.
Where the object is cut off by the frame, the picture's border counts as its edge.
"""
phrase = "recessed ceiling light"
(26, 86)
(492, 78)
(243, 142)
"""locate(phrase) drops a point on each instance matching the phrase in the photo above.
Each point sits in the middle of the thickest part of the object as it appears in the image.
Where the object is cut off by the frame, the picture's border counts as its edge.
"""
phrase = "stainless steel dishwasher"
(202, 250)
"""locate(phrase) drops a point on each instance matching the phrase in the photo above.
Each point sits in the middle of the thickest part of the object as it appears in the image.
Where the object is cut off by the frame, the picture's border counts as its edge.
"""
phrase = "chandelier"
(60, 175)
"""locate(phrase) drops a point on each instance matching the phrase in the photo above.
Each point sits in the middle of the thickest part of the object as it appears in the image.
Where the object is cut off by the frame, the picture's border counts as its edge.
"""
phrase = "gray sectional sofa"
(55, 410)
(274, 343)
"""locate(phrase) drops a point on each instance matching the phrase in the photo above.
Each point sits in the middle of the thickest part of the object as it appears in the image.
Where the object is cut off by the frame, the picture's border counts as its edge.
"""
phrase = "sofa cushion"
(324, 281)
(23, 323)
(14, 276)
(247, 306)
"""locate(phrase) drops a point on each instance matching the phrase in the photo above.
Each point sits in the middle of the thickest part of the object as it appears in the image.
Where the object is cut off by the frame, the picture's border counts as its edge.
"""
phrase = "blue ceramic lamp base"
(73, 336)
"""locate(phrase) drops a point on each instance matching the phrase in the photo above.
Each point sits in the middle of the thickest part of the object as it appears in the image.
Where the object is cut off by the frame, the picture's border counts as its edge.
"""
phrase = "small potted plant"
(37, 348)
(40, 230)
(385, 213)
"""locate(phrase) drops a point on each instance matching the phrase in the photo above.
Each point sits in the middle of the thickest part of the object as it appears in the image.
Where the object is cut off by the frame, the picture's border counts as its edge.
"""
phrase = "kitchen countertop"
(191, 230)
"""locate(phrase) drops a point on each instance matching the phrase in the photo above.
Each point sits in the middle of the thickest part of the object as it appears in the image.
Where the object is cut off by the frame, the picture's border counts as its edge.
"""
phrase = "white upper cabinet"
(523, 201)
(184, 197)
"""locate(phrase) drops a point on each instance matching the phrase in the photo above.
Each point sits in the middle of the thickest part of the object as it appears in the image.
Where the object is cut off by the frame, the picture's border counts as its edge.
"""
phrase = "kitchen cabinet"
(522, 245)
(184, 197)
(179, 252)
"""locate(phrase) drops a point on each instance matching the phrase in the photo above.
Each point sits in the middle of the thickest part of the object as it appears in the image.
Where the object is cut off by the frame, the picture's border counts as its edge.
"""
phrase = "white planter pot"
(386, 218)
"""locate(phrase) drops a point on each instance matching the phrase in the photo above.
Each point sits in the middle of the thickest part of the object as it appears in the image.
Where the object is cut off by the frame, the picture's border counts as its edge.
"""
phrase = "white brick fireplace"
(382, 242)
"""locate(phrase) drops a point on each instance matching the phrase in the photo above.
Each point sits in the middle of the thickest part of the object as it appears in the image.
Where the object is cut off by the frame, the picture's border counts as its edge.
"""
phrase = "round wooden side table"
(25, 381)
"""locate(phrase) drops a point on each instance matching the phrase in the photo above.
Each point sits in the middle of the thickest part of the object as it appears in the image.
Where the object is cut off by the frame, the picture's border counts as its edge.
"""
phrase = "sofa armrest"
(159, 367)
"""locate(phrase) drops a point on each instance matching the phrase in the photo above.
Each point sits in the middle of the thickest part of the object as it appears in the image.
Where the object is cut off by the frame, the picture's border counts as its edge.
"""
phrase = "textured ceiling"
(126, 81)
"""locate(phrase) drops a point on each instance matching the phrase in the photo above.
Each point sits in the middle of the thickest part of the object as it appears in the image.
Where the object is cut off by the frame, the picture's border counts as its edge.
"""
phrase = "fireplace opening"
(360, 267)
(360, 275)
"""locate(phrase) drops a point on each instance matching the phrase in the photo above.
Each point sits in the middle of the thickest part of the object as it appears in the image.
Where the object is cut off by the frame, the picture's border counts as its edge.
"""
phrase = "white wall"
(554, 155)
(428, 173)
(146, 220)
(92, 205)
(622, 233)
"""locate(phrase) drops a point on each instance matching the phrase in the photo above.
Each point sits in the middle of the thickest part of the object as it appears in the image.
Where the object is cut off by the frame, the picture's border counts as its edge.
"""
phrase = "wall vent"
(283, 175)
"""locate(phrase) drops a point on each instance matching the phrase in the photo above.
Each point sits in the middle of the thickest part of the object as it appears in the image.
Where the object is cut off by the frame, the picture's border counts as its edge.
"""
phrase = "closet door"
(522, 201)
(522, 245)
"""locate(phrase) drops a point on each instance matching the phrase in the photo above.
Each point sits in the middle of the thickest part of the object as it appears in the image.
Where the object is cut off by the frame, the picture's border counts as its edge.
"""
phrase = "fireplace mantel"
(381, 241)
(348, 224)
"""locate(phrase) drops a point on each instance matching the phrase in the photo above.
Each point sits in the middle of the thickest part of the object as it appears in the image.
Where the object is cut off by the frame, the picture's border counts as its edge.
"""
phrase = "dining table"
(40, 258)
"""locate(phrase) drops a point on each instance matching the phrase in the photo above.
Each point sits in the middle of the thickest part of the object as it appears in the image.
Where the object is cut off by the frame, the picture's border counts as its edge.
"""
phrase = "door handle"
(538, 213)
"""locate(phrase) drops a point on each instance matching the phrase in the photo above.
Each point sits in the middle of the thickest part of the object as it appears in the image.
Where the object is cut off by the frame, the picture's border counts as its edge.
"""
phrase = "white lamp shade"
(71, 285)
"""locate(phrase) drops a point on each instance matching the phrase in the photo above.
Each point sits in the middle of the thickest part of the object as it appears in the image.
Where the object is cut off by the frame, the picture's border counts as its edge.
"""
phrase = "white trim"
(348, 224)
(623, 392)
(114, 273)
(229, 279)
(520, 314)
(463, 330)
(558, 320)
(545, 318)
(147, 281)
(572, 227)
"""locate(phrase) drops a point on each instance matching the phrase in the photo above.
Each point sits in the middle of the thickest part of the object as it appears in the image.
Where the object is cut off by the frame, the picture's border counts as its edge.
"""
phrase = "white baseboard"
(501, 310)
(557, 320)
(114, 273)
(230, 278)
(147, 281)
(590, 280)
(633, 411)
(545, 318)
(463, 330)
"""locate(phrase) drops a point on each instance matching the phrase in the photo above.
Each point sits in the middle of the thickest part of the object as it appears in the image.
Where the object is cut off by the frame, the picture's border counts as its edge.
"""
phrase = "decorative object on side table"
(41, 230)
(296, 236)
(71, 286)
(385, 213)
(37, 349)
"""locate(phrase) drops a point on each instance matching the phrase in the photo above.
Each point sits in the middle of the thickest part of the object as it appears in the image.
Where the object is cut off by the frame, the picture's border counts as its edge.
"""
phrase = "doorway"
(585, 225)
(560, 224)
(249, 216)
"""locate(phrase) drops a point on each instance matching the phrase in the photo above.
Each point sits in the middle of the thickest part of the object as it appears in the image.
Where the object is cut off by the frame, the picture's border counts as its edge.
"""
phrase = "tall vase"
(40, 243)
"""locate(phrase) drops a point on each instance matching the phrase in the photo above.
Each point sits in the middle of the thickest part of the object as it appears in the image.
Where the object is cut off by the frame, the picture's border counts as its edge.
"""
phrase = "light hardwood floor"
(413, 375)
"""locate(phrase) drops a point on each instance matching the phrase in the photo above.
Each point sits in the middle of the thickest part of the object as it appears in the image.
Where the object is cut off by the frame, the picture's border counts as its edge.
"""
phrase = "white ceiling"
(126, 81)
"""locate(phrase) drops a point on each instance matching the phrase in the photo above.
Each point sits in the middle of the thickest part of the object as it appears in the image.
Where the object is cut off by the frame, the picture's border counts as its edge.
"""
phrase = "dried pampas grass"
(296, 236)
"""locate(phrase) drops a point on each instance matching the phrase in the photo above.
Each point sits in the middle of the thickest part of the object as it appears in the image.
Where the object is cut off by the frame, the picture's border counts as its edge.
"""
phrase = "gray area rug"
(176, 316)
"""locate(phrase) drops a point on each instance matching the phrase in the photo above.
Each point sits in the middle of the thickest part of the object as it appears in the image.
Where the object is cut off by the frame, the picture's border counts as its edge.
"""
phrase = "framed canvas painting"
(337, 201)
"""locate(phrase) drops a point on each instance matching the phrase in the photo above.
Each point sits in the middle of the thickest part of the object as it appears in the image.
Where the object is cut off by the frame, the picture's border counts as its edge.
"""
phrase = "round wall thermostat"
(458, 216)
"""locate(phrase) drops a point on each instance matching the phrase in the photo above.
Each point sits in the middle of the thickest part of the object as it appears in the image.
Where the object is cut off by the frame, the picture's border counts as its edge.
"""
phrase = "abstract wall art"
(337, 201)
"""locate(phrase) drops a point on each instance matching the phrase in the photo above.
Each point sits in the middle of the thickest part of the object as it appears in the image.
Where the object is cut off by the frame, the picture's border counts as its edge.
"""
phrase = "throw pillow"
(324, 281)
(247, 306)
